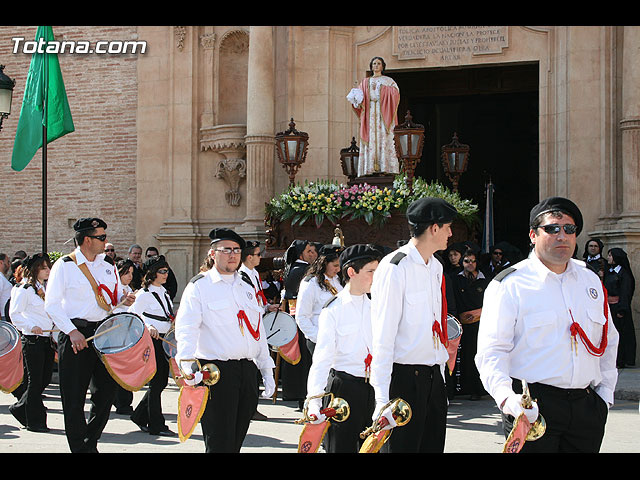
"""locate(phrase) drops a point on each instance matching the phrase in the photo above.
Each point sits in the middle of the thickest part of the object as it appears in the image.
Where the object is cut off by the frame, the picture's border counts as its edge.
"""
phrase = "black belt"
(552, 390)
(346, 376)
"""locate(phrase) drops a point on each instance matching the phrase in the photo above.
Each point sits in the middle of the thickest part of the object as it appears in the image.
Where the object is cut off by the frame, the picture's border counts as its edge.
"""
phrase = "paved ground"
(473, 427)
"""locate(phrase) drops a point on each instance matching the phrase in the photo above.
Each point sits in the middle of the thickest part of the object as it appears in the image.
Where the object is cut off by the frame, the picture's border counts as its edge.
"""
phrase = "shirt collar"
(80, 258)
(215, 276)
(413, 253)
(543, 271)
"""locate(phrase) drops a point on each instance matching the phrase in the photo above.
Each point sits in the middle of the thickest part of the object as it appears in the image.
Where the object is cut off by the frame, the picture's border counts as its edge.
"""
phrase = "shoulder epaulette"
(329, 301)
(397, 257)
(246, 278)
(307, 278)
(108, 259)
(67, 258)
(196, 278)
(500, 276)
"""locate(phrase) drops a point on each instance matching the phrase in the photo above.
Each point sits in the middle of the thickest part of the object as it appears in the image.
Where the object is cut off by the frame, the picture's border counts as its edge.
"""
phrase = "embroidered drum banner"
(11, 363)
(312, 436)
(126, 349)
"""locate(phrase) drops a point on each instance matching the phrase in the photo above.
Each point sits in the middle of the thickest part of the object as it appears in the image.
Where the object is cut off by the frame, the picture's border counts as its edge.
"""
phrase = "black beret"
(330, 250)
(84, 224)
(557, 204)
(294, 251)
(431, 210)
(218, 234)
(155, 263)
(30, 261)
(357, 252)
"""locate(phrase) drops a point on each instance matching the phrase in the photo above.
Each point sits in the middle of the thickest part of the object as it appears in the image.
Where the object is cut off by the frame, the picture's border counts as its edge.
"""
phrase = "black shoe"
(38, 429)
(164, 433)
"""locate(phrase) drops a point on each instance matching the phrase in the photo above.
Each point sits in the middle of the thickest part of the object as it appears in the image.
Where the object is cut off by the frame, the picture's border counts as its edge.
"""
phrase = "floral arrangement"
(332, 201)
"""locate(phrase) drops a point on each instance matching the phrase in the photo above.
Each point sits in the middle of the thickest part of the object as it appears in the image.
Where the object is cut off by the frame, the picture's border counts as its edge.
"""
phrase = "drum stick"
(50, 331)
(102, 333)
(165, 340)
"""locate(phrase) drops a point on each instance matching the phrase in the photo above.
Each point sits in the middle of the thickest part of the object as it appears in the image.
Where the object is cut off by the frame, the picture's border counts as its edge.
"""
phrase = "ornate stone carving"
(208, 40)
(180, 34)
(229, 141)
(232, 170)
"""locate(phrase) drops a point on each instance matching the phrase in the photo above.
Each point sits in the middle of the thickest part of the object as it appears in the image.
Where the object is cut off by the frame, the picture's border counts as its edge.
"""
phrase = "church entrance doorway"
(494, 110)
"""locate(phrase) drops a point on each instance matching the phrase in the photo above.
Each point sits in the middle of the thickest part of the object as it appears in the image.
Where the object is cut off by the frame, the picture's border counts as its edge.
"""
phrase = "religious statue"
(375, 101)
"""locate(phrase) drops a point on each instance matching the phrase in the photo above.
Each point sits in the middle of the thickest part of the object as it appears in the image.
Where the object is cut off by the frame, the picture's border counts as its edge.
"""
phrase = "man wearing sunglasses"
(219, 322)
(545, 321)
(81, 291)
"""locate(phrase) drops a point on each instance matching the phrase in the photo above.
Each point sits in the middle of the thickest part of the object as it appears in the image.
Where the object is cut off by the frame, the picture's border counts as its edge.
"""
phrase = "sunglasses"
(109, 250)
(554, 228)
(163, 270)
(102, 237)
(466, 260)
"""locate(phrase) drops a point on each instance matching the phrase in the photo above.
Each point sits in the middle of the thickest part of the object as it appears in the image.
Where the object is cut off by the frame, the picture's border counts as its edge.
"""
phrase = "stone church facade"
(179, 139)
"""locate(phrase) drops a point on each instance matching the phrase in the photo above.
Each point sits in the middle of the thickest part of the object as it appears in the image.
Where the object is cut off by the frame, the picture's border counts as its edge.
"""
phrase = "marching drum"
(280, 327)
(126, 348)
(11, 363)
(454, 328)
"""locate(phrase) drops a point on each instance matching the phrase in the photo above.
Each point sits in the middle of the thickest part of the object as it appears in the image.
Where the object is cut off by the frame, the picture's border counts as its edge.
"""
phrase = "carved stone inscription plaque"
(444, 44)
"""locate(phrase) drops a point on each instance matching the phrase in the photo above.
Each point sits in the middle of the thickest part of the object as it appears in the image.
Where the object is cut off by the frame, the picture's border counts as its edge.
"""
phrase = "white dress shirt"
(69, 293)
(27, 310)
(344, 340)
(525, 330)
(254, 276)
(311, 299)
(146, 304)
(207, 325)
(124, 291)
(406, 300)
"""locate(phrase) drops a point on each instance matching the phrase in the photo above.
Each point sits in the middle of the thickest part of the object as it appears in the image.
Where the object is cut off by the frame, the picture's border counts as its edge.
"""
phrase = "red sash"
(440, 328)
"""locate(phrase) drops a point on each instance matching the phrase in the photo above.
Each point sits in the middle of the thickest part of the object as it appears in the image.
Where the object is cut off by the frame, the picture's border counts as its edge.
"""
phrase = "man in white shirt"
(219, 322)
(408, 319)
(77, 311)
(545, 321)
(342, 356)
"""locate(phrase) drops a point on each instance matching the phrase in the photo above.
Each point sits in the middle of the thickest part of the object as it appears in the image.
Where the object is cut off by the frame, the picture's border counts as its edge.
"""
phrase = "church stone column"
(260, 138)
(630, 125)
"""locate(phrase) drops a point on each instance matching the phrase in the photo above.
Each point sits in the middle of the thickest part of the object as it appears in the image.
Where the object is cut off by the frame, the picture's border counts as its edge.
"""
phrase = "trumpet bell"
(537, 429)
(213, 374)
(341, 408)
(402, 412)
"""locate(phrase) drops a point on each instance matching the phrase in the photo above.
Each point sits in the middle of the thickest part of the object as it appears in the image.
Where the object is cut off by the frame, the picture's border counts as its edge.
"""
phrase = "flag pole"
(44, 152)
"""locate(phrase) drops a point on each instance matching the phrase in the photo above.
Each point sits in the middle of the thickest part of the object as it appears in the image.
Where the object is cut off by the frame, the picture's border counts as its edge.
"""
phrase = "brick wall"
(92, 171)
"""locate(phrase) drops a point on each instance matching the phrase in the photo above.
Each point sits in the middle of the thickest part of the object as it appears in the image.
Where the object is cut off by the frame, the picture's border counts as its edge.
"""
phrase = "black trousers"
(575, 419)
(627, 345)
(76, 372)
(344, 437)
(39, 357)
(230, 406)
(423, 388)
(149, 410)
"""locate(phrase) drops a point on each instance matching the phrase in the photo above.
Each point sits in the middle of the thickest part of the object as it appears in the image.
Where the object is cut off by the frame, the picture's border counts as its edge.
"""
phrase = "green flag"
(44, 93)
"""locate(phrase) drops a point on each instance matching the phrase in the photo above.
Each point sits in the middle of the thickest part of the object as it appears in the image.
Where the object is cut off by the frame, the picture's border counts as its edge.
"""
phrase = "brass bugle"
(339, 405)
(210, 372)
(401, 411)
(540, 425)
